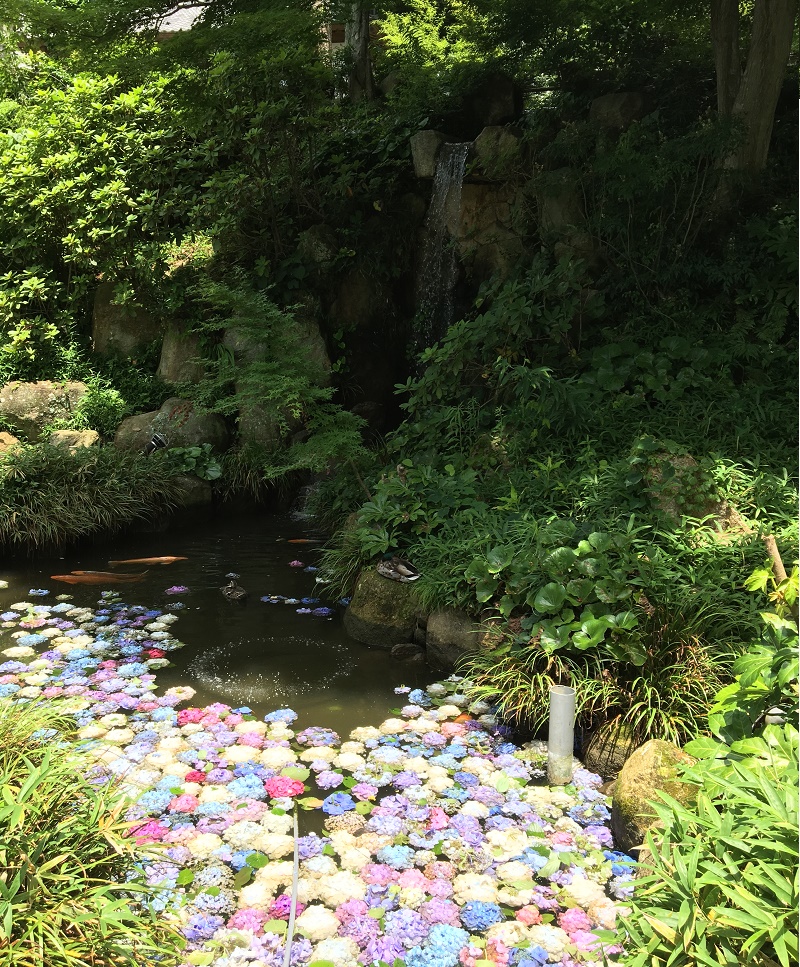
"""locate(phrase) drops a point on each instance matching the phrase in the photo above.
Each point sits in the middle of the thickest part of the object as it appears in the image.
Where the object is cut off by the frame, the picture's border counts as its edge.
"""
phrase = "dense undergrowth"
(68, 896)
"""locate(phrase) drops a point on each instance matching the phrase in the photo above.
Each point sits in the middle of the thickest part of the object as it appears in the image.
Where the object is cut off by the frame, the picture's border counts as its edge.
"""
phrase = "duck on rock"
(396, 569)
(234, 592)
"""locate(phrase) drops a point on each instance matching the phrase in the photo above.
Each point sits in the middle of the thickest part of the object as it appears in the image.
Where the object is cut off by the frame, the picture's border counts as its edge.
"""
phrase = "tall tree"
(751, 95)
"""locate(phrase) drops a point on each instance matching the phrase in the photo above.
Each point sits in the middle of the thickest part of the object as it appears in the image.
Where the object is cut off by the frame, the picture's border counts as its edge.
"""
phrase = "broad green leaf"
(550, 598)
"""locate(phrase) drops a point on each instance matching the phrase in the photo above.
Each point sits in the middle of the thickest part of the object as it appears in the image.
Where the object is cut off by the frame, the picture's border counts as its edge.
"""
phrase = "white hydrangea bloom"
(317, 923)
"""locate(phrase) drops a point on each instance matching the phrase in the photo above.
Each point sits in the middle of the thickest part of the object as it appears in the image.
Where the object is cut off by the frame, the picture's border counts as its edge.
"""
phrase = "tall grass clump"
(64, 856)
(49, 497)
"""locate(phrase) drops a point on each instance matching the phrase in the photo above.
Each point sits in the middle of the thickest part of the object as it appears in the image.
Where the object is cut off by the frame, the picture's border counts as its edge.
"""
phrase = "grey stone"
(74, 439)
(408, 651)
(8, 442)
(617, 111)
(381, 613)
(192, 491)
(497, 151)
(318, 244)
(608, 751)
(561, 202)
(451, 634)
(651, 769)
(180, 352)
(29, 407)
(425, 146)
(180, 422)
(119, 328)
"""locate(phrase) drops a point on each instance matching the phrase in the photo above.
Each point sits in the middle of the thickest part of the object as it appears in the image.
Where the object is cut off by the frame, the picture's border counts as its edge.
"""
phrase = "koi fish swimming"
(148, 560)
(97, 577)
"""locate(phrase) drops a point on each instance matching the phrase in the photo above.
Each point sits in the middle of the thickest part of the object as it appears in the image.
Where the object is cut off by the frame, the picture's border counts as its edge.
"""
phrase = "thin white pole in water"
(561, 735)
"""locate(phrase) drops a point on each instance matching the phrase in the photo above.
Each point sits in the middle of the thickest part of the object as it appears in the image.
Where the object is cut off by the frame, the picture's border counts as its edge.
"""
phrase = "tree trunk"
(356, 38)
(727, 60)
(757, 97)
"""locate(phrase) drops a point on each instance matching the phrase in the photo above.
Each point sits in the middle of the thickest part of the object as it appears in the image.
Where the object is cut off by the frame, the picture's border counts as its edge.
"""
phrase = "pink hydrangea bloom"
(190, 716)
(251, 739)
(584, 940)
(561, 838)
(497, 951)
(363, 790)
(195, 775)
(279, 786)
(184, 804)
(440, 869)
(574, 919)
(450, 729)
(529, 915)
(377, 874)
(413, 878)
(438, 818)
(149, 832)
(248, 919)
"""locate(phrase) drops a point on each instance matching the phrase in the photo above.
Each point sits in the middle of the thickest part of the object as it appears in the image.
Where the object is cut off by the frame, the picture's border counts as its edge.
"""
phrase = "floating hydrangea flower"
(296, 564)
(338, 803)
(176, 589)
(39, 592)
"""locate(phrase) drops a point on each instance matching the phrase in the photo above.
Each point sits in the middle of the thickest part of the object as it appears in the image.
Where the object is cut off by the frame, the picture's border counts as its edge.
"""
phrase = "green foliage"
(49, 496)
(724, 881)
(199, 461)
(65, 856)
(87, 185)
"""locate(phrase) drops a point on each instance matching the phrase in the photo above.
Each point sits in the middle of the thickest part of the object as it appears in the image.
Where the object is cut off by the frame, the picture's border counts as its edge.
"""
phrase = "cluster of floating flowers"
(312, 606)
(440, 847)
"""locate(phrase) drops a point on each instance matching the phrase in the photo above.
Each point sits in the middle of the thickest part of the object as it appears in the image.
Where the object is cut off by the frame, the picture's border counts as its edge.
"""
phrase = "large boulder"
(451, 634)
(180, 352)
(608, 751)
(617, 111)
(560, 200)
(8, 442)
(382, 613)
(121, 328)
(425, 147)
(73, 440)
(497, 149)
(651, 769)
(30, 407)
(193, 492)
(181, 424)
(488, 236)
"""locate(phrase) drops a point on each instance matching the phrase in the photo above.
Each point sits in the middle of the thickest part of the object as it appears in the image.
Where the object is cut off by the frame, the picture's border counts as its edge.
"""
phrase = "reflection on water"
(258, 654)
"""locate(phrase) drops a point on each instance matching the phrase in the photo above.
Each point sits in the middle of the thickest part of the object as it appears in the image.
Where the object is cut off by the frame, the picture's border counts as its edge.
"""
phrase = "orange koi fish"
(97, 577)
(149, 560)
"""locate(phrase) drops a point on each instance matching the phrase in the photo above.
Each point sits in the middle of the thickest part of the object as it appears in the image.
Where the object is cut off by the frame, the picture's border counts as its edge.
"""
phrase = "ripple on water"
(271, 669)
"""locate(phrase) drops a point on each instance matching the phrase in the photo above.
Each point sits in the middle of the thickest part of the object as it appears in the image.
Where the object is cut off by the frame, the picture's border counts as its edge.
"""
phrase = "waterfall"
(439, 260)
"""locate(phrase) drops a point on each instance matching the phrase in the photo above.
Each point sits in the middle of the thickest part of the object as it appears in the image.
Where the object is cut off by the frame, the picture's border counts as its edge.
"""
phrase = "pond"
(263, 655)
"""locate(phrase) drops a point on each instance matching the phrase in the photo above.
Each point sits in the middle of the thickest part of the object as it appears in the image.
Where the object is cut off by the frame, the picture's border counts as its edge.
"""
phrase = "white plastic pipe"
(561, 735)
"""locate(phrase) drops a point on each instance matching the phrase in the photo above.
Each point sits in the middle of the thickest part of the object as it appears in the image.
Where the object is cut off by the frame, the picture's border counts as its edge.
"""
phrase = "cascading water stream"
(440, 262)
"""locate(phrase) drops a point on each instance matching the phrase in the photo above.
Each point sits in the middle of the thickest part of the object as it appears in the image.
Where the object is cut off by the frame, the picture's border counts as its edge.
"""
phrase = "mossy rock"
(651, 769)
(608, 750)
(382, 613)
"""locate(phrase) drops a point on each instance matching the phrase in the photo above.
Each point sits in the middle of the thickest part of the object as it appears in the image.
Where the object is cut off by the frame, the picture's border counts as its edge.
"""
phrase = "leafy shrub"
(199, 461)
(64, 856)
(49, 496)
(724, 881)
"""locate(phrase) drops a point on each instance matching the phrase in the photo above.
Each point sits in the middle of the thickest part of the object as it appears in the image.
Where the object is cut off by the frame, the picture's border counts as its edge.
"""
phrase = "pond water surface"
(262, 655)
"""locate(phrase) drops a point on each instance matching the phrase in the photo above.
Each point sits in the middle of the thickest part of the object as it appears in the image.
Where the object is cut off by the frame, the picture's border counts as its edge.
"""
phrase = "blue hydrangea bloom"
(418, 696)
(338, 803)
(398, 857)
(477, 915)
(247, 787)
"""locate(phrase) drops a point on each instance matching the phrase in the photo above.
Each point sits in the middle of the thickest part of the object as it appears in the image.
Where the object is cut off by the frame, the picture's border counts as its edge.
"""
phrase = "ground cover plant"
(724, 882)
(65, 900)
